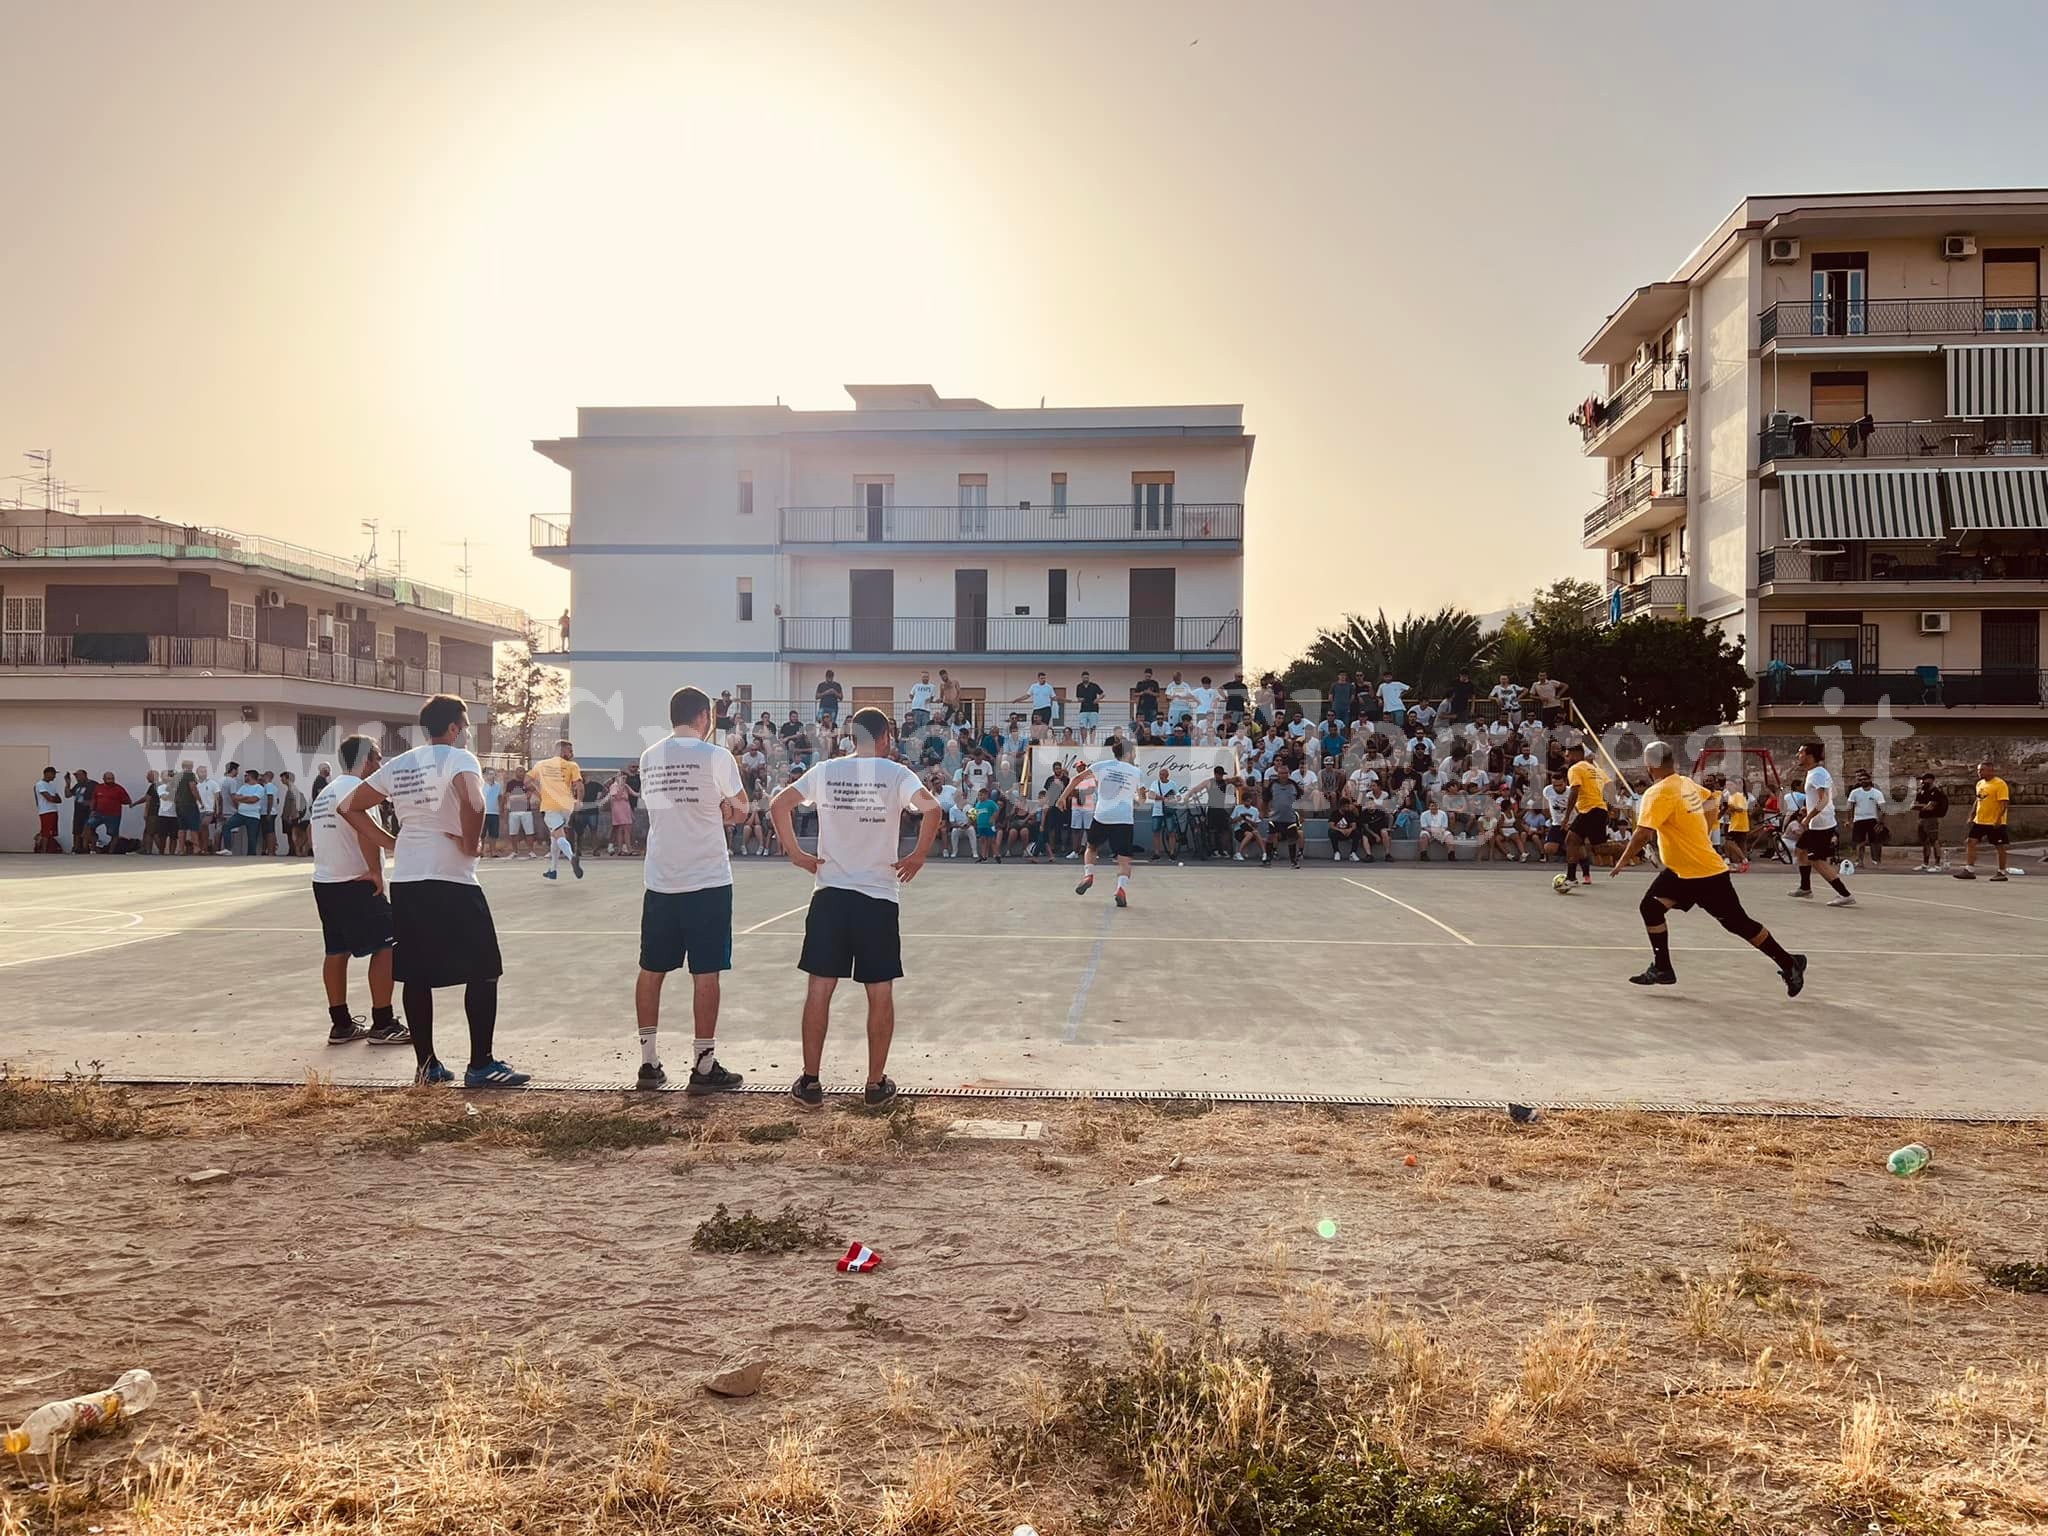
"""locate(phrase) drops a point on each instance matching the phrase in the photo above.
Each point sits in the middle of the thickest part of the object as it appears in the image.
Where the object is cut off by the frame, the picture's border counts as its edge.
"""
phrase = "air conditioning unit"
(1781, 252)
(272, 598)
(1646, 546)
(1617, 560)
(1958, 247)
(1934, 622)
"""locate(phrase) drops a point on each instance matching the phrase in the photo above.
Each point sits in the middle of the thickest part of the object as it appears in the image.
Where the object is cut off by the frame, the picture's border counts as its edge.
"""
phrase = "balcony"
(1920, 690)
(1858, 320)
(1182, 525)
(1929, 565)
(1654, 499)
(547, 539)
(90, 656)
(1660, 597)
(1648, 401)
(1028, 639)
(1866, 439)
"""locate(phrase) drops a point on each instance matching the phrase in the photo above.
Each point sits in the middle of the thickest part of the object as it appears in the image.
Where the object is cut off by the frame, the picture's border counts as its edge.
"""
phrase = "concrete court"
(1455, 983)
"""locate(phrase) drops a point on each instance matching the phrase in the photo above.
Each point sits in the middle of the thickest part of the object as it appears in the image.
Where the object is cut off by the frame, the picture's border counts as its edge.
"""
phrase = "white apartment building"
(128, 643)
(753, 547)
(1827, 432)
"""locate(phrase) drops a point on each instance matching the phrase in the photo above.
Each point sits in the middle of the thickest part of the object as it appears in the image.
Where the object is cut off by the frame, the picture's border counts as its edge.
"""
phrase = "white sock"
(648, 1055)
(1122, 881)
(562, 848)
(703, 1055)
(554, 855)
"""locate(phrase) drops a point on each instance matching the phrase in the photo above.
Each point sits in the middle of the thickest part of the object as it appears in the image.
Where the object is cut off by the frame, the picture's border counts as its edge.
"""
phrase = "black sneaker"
(808, 1091)
(576, 863)
(651, 1076)
(1795, 976)
(347, 1034)
(714, 1080)
(1656, 976)
(1122, 899)
(1087, 883)
(397, 1032)
(880, 1093)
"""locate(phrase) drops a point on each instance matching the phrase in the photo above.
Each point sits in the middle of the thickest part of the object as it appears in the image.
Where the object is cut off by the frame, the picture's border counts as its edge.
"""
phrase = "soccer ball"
(1562, 884)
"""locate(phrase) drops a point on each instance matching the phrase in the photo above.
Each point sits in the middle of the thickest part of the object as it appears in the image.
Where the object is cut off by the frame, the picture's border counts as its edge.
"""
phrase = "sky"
(283, 267)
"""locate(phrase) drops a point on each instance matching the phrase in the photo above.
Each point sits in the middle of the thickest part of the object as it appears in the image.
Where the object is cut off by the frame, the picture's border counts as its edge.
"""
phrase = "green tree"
(1681, 674)
(523, 692)
(1562, 607)
(1425, 652)
(1514, 649)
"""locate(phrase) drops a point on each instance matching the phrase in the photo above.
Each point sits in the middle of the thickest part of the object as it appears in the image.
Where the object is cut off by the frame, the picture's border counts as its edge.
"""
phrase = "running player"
(1119, 786)
(1817, 843)
(445, 936)
(1736, 802)
(355, 917)
(1988, 821)
(1586, 788)
(692, 790)
(559, 780)
(853, 928)
(1693, 874)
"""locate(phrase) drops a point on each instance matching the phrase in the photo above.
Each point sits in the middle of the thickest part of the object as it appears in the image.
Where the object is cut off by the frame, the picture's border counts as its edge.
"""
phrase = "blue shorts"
(693, 928)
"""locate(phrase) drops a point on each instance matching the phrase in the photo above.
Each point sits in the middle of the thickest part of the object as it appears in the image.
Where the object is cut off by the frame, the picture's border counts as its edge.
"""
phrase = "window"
(387, 645)
(1840, 397)
(974, 506)
(746, 493)
(2012, 290)
(315, 732)
(241, 621)
(1152, 501)
(1056, 597)
(746, 599)
(1059, 495)
(1841, 286)
(433, 655)
(175, 728)
(21, 630)
(743, 701)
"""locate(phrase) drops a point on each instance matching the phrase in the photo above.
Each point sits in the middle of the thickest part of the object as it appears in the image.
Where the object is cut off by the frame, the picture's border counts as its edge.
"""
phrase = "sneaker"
(1123, 899)
(549, 874)
(651, 1076)
(431, 1073)
(1964, 873)
(1073, 856)
(1998, 874)
(1795, 975)
(1800, 895)
(494, 1074)
(347, 1034)
(1841, 901)
(1655, 976)
(1742, 868)
(576, 863)
(714, 1079)
(808, 1091)
(1923, 869)
(397, 1032)
(1087, 882)
(1238, 857)
(880, 1093)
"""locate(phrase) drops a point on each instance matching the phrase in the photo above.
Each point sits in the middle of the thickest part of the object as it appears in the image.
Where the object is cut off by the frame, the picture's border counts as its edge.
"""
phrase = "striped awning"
(2010, 379)
(1860, 504)
(1997, 498)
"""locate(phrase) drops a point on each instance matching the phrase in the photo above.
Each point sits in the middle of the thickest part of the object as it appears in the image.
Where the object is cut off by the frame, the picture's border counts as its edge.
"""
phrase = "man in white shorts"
(853, 927)
(1118, 787)
(559, 780)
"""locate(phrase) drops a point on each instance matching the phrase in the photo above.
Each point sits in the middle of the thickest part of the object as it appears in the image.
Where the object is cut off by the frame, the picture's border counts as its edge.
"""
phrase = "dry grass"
(1562, 1363)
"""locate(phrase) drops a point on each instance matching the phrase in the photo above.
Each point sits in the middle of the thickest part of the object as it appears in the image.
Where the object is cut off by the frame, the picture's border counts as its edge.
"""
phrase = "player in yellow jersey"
(1735, 800)
(1586, 788)
(1988, 821)
(558, 780)
(1693, 874)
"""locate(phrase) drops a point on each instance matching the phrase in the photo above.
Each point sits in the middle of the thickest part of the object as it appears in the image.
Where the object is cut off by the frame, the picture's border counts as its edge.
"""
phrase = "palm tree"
(1427, 653)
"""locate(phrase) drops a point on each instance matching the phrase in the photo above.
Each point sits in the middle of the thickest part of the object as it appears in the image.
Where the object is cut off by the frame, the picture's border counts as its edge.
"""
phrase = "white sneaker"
(1922, 869)
(1073, 856)
(1842, 901)
(1238, 857)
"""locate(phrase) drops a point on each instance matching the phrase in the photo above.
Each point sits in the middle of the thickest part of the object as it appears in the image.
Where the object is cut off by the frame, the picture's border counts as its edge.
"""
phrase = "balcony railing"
(117, 538)
(1644, 596)
(1922, 687)
(546, 533)
(1866, 439)
(1597, 417)
(1191, 522)
(1630, 497)
(1931, 562)
(1898, 317)
(1031, 638)
(175, 654)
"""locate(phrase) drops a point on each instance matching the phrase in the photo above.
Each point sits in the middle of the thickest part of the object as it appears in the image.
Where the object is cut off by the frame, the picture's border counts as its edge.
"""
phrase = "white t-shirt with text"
(684, 784)
(1818, 779)
(860, 802)
(1866, 803)
(1116, 790)
(420, 785)
(337, 851)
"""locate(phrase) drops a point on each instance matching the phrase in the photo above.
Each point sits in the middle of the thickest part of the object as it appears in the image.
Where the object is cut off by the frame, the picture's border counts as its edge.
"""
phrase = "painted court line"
(1397, 901)
(1080, 1004)
(1953, 906)
(90, 949)
(770, 921)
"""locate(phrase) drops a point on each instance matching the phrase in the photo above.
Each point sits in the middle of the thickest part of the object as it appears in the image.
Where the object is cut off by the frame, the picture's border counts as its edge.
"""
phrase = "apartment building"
(1827, 433)
(129, 643)
(754, 547)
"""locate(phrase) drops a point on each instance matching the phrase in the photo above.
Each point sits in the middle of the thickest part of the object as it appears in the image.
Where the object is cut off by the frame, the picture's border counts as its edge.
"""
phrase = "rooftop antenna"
(369, 561)
(398, 559)
(45, 460)
(462, 570)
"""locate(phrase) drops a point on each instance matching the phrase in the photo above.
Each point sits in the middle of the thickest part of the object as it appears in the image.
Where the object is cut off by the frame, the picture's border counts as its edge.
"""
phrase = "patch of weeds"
(552, 1132)
(775, 1130)
(786, 1232)
(1916, 1240)
(1182, 1107)
(77, 1106)
(2028, 1276)
(905, 1132)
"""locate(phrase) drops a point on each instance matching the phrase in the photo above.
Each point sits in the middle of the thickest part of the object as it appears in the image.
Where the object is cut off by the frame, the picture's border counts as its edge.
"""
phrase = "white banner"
(1184, 765)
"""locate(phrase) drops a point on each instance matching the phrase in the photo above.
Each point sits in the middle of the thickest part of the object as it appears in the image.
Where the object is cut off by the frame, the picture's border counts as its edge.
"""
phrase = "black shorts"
(190, 819)
(1591, 826)
(1374, 822)
(355, 919)
(1820, 844)
(1041, 717)
(1111, 837)
(1712, 894)
(849, 934)
(491, 825)
(269, 825)
(686, 927)
(1286, 826)
(166, 826)
(1996, 836)
(445, 934)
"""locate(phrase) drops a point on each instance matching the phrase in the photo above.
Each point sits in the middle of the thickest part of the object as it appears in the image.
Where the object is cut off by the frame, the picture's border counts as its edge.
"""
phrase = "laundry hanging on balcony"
(1997, 498)
(1860, 504)
(2010, 379)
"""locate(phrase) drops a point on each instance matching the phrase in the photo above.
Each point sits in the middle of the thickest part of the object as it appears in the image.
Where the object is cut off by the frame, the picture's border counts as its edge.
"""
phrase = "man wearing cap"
(1930, 804)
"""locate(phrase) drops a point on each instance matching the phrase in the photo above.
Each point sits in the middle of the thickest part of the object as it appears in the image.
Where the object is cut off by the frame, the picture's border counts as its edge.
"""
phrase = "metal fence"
(1932, 439)
(1927, 563)
(239, 658)
(1606, 414)
(1664, 480)
(1030, 638)
(1898, 317)
(1923, 686)
(1040, 523)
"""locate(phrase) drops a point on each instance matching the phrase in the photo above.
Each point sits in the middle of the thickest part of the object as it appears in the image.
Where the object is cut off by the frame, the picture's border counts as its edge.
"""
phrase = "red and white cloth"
(860, 1258)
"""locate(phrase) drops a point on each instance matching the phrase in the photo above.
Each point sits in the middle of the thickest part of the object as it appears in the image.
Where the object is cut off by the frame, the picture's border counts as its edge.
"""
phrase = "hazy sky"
(284, 266)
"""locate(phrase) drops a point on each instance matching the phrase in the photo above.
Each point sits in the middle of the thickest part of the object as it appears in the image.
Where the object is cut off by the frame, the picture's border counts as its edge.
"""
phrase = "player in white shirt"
(1866, 819)
(1822, 834)
(355, 916)
(1119, 787)
(1393, 699)
(1507, 694)
(442, 923)
(692, 790)
(853, 927)
(1205, 705)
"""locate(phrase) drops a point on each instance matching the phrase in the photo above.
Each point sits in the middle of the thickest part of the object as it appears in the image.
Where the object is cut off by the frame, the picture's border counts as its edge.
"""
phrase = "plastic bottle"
(1909, 1160)
(54, 1422)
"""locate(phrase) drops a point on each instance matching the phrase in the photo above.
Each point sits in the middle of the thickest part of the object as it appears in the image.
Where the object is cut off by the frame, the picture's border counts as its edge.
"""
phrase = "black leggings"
(479, 1002)
(1338, 840)
(1722, 907)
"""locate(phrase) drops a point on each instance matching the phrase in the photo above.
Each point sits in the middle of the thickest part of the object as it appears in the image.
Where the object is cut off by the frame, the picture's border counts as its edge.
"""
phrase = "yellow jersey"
(1994, 800)
(1588, 785)
(1738, 811)
(1673, 806)
(558, 778)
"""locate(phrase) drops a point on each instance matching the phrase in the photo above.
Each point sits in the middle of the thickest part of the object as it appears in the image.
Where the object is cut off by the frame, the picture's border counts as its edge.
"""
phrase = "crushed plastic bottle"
(1909, 1160)
(56, 1422)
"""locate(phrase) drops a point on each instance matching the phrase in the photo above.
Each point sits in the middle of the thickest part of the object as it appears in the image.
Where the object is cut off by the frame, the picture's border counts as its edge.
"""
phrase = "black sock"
(1806, 877)
(1840, 889)
(480, 1003)
(1776, 951)
(419, 1017)
(383, 1015)
(339, 1016)
(1660, 947)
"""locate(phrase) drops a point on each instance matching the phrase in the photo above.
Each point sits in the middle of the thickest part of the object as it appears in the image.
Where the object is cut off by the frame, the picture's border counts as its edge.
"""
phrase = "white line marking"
(770, 921)
(1953, 906)
(91, 949)
(1080, 1004)
(1397, 901)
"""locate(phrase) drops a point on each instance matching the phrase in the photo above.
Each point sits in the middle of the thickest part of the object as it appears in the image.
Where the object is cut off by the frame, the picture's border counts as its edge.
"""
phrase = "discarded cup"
(1909, 1160)
(54, 1422)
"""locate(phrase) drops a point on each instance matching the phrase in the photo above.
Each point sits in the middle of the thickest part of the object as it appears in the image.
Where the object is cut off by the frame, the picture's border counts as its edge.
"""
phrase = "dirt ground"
(402, 1317)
